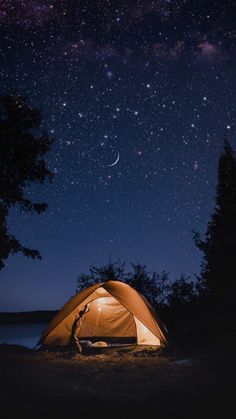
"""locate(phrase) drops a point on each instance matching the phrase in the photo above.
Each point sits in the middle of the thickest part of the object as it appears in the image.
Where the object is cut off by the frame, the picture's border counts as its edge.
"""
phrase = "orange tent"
(116, 311)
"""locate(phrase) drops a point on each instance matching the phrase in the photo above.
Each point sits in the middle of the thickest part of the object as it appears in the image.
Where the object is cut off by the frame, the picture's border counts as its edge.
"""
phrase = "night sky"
(152, 83)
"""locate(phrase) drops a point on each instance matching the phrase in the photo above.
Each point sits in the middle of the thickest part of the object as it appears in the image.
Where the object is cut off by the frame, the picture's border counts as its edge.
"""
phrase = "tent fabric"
(70, 306)
(107, 317)
(134, 302)
(115, 310)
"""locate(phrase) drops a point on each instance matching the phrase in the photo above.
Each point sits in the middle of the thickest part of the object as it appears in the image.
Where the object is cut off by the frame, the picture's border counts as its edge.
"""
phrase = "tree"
(22, 162)
(112, 271)
(155, 286)
(219, 247)
(181, 292)
(141, 280)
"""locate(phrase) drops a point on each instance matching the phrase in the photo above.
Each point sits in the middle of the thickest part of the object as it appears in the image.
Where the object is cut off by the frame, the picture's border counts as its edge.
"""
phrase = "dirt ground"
(38, 384)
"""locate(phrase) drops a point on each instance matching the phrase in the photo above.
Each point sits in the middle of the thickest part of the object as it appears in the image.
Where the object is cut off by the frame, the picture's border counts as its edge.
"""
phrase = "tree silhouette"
(219, 247)
(112, 271)
(181, 292)
(154, 286)
(22, 151)
(177, 301)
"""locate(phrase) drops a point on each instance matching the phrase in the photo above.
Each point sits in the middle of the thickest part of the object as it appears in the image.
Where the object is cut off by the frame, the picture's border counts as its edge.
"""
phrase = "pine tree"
(219, 247)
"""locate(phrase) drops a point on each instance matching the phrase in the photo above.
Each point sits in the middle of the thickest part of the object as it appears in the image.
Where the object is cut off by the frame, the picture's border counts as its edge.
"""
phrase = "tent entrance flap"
(107, 318)
(144, 335)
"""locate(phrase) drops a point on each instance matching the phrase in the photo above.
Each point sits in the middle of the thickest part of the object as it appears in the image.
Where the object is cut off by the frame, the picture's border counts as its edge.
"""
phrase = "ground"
(64, 385)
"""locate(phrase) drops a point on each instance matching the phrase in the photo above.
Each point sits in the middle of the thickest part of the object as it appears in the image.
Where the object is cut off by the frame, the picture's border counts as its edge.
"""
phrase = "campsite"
(117, 209)
(121, 376)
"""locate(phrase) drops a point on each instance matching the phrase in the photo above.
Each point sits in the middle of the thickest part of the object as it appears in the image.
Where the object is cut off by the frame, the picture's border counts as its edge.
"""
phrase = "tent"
(115, 312)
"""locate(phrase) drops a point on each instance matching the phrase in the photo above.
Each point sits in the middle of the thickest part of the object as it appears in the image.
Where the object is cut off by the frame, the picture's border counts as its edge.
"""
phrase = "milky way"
(151, 80)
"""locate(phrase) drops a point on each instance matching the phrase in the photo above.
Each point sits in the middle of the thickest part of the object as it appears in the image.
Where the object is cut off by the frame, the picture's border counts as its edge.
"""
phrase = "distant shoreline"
(38, 316)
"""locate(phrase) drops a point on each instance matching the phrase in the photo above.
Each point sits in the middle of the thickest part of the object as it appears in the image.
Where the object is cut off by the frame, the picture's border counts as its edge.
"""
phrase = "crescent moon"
(115, 162)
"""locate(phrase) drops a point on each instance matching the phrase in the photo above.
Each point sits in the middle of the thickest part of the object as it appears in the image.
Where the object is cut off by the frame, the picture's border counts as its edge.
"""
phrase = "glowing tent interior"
(116, 312)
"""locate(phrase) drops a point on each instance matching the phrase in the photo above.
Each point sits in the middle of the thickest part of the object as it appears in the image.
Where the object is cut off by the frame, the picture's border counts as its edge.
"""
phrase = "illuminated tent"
(116, 312)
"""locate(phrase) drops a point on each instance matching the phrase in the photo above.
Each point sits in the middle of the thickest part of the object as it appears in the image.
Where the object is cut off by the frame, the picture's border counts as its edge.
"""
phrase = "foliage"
(156, 287)
(153, 286)
(178, 302)
(219, 247)
(111, 271)
(182, 291)
(22, 163)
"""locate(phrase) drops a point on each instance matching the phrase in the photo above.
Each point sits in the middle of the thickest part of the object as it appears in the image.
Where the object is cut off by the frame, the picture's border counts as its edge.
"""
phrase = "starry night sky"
(152, 82)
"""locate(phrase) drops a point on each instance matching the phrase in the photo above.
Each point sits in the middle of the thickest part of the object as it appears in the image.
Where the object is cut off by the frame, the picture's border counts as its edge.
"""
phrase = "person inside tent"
(74, 341)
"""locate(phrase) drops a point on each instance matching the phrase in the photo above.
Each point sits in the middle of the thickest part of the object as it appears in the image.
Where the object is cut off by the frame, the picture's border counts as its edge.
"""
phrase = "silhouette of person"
(74, 341)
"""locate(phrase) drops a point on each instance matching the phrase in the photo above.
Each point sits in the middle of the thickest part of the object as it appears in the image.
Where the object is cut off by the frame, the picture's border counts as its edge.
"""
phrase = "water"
(22, 334)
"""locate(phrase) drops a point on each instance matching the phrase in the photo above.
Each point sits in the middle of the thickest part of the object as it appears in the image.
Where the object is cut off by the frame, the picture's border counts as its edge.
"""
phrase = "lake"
(22, 334)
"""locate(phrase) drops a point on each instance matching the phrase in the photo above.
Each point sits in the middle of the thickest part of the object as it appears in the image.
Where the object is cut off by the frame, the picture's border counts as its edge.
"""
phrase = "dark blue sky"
(150, 81)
